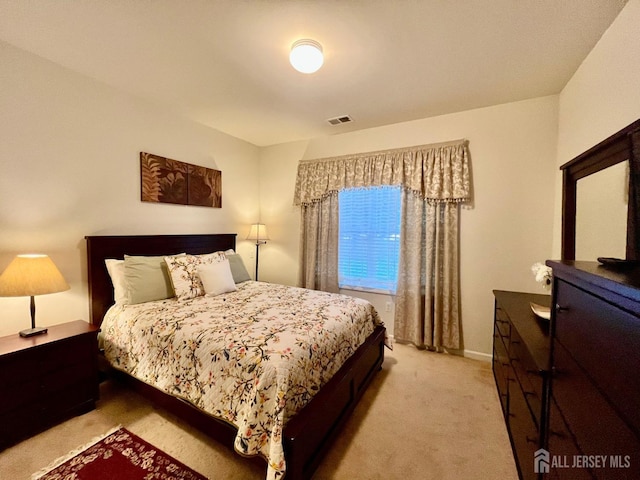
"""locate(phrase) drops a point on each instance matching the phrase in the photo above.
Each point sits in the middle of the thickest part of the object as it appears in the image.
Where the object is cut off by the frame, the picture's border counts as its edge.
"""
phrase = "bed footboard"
(308, 435)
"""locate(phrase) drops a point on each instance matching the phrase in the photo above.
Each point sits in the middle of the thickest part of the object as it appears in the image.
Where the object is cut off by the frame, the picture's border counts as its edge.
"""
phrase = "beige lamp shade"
(29, 275)
(258, 233)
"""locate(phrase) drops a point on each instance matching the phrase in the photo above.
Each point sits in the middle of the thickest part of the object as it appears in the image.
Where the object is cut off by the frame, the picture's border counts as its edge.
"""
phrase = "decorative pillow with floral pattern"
(184, 273)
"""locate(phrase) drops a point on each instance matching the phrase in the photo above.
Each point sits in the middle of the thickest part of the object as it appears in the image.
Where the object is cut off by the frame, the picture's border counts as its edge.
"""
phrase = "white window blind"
(369, 238)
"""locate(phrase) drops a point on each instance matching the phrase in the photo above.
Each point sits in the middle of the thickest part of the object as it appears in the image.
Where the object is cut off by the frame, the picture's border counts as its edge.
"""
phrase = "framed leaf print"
(164, 180)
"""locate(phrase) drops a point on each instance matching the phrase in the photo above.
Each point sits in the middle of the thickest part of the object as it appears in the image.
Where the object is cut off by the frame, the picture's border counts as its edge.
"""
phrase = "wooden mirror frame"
(621, 146)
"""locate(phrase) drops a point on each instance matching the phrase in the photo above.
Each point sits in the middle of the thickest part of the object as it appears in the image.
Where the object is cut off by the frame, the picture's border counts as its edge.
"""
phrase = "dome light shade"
(306, 56)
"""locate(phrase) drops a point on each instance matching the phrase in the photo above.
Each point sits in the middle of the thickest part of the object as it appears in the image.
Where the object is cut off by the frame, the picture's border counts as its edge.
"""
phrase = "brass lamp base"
(30, 332)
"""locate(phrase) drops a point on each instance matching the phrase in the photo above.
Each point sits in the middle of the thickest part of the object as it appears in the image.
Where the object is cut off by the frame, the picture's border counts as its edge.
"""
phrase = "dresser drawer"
(501, 370)
(605, 341)
(591, 420)
(503, 323)
(528, 376)
(562, 445)
(524, 433)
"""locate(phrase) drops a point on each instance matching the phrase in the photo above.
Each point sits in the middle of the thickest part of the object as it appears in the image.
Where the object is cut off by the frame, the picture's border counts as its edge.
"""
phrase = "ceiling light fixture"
(306, 56)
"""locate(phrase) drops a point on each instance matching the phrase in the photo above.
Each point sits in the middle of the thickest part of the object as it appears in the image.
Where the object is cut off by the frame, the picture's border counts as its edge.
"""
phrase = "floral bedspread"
(253, 357)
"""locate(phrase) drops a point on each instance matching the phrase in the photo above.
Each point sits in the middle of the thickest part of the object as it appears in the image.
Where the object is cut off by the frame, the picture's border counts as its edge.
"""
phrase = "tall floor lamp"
(30, 275)
(259, 234)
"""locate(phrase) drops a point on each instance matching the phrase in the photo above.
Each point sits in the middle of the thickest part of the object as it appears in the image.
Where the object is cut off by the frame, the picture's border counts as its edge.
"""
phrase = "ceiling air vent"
(340, 119)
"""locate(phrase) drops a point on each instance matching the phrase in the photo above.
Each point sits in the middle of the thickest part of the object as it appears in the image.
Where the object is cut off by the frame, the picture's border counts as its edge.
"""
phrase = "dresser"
(594, 407)
(46, 378)
(521, 347)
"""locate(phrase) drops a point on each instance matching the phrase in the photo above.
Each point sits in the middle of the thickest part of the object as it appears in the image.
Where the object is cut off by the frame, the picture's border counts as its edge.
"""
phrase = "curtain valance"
(438, 173)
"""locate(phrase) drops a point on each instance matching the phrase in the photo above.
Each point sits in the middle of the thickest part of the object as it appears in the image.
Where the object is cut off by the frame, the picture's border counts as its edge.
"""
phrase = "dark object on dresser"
(46, 379)
(595, 390)
(521, 370)
(308, 434)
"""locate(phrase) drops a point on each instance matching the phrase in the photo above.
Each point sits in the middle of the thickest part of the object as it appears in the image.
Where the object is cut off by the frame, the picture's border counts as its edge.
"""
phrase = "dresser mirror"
(601, 199)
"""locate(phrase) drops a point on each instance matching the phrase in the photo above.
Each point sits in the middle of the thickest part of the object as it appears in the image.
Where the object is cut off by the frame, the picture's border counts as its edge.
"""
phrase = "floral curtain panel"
(428, 295)
(319, 245)
(435, 181)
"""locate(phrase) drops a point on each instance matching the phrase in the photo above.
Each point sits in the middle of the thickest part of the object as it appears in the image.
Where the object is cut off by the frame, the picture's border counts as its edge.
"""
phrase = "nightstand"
(46, 379)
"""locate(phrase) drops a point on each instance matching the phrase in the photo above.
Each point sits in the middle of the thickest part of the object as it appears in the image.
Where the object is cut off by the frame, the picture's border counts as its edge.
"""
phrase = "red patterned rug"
(118, 455)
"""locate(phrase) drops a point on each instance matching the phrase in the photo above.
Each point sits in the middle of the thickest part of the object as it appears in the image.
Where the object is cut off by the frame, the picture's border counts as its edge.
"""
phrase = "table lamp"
(28, 276)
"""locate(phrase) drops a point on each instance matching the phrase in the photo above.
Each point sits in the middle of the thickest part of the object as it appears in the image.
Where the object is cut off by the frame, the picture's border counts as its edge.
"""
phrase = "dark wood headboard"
(100, 248)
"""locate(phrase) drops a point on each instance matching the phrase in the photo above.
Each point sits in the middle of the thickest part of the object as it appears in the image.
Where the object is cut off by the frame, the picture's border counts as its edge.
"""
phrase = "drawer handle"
(533, 440)
(529, 393)
(560, 308)
(557, 434)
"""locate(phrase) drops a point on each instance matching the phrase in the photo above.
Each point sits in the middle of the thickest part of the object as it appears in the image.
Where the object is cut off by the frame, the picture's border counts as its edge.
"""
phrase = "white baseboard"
(485, 357)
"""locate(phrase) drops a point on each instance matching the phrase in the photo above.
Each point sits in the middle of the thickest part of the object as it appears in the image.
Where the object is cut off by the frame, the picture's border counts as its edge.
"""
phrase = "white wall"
(509, 227)
(69, 163)
(69, 167)
(602, 97)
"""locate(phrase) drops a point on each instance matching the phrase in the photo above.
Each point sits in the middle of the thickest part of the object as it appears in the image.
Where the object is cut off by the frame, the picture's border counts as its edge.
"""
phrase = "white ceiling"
(224, 63)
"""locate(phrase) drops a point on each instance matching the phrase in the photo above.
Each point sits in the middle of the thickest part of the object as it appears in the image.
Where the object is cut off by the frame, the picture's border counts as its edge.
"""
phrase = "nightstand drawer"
(62, 378)
(17, 369)
(74, 399)
(27, 393)
(32, 389)
(18, 424)
(66, 353)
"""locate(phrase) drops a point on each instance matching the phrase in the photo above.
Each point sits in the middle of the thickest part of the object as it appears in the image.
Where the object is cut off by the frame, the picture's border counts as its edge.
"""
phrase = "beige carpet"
(425, 416)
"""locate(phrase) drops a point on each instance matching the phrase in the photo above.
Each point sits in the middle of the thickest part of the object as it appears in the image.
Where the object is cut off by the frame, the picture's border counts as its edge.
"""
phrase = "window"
(369, 238)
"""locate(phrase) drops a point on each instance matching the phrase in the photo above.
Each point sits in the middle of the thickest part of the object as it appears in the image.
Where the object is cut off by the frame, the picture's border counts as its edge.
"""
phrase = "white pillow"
(217, 278)
(116, 272)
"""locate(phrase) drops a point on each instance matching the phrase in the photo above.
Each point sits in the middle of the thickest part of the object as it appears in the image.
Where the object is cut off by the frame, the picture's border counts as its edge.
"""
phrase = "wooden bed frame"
(307, 435)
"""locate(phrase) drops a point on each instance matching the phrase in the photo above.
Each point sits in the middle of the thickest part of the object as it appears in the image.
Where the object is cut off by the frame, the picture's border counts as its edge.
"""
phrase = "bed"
(307, 432)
